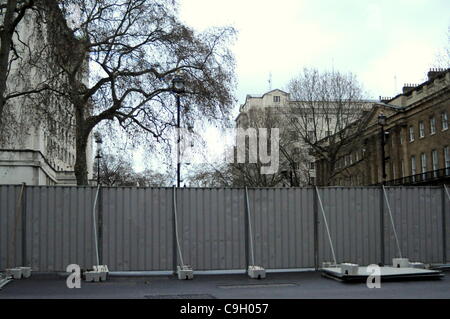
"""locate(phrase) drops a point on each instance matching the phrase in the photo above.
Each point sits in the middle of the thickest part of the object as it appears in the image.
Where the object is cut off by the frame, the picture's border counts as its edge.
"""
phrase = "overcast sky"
(378, 40)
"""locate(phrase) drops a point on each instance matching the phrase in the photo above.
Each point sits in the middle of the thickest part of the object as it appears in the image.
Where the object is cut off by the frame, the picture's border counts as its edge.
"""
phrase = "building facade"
(414, 139)
(301, 124)
(38, 146)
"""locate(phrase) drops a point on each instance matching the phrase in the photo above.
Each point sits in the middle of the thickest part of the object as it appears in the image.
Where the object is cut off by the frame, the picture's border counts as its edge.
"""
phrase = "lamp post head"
(99, 142)
(382, 119)
(178, 84)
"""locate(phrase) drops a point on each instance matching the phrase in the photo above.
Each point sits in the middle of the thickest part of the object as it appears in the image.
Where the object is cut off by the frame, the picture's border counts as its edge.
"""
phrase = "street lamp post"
(382, 123)
(178, 88)
(98, 141)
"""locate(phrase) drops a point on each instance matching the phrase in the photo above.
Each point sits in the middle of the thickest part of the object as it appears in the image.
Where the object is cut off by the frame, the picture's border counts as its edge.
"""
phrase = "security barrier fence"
(50, 227)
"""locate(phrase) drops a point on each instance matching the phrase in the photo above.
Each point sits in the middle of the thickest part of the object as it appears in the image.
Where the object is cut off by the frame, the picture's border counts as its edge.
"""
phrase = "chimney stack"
(408, 88)
(435, 72)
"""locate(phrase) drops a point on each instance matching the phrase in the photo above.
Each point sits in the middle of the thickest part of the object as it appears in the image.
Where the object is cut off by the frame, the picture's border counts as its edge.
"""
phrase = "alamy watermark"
(252, 145)
(74, 279)
(374, 279)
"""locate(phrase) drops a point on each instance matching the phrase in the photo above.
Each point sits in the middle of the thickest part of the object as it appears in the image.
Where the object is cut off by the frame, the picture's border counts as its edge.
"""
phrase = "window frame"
(421, 129)
(411, 136)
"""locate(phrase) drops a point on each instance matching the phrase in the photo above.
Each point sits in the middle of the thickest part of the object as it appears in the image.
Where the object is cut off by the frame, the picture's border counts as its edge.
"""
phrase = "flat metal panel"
(10, 227)
(59, 227)
(417, 214)
(283, 231)
(137, 229)
(353, 216)
(211, 228)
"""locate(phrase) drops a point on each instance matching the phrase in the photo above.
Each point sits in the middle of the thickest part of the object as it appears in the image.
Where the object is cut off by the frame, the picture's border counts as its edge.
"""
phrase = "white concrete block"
(400, 262)
(16, 273)
(26, 272)
(185, 272)
(349, 269)
(102, 270)
(92, 276)
(256, 272)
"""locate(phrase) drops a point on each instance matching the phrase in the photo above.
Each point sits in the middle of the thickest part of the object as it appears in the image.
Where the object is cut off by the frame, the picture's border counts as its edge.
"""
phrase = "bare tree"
(324, 103)
(133, 48)
(443, 56)
(116, 169)
(211, 175)
(251, 174)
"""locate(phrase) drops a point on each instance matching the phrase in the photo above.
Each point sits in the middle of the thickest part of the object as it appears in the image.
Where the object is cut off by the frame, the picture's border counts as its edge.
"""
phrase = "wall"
(49, 228)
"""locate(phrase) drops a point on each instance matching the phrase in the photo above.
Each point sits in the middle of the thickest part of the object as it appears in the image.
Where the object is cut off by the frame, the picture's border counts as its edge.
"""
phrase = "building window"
(400, 137)
(394, 173)
(444, 120)
(447, 160)
(421, 129)
(411, 134)
(432, 125)
(276, 99)
(423, 161)
(311, 136)
(434, 162)
(311, 165)
(413, 165)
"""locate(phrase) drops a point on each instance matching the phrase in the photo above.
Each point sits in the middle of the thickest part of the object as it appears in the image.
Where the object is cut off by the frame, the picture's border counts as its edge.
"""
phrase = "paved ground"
(287, 286)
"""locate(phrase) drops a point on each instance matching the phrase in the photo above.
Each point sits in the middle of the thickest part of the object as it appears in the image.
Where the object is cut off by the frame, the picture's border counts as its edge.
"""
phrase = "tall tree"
(116, 169)
(132, 49)
(324, 103)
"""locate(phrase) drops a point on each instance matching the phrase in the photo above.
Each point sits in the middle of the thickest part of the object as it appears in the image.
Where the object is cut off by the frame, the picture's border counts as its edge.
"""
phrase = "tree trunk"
(330, 171)
(82, 134)
(5, 46)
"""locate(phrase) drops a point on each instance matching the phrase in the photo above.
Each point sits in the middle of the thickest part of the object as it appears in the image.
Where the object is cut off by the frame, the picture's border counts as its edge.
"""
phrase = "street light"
(178, 87)
(99, 142)
(382, 123)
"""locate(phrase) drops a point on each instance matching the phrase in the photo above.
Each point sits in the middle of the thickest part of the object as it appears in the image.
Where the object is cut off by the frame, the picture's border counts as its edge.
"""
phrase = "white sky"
(377, 40)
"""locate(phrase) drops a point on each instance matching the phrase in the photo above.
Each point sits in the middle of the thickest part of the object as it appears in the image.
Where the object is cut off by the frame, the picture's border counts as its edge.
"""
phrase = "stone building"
(297, 127)
(416, 139)
(38, 147)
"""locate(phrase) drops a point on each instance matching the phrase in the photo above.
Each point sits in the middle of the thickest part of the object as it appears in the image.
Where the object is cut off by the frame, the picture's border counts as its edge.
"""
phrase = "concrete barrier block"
(185, 272)
(26, 272)
(400, 262)
(349, 269)
(15, 273)
(92, 276)
(256, 272)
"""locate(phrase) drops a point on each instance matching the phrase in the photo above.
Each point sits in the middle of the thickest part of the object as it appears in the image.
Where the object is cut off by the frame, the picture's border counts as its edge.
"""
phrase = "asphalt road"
(304, 285)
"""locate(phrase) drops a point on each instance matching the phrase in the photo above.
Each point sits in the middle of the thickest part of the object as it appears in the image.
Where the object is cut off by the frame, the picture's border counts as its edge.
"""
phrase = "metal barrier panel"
(283, 227)
(59, 227)
(446, 227)
(353, 215)
(137, 228)
(10, 228)
(212, 228)
(417, 214)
